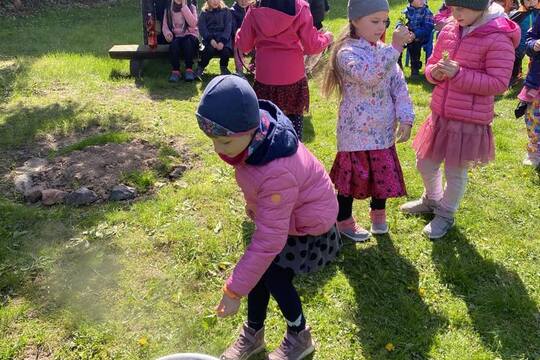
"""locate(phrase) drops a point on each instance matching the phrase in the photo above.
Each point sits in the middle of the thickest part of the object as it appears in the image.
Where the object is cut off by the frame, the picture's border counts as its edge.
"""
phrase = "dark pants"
(277, 282)
(516, 71)
(209, 52)
(185, 47)
(298, 123)
(415, 53)
(346, 204)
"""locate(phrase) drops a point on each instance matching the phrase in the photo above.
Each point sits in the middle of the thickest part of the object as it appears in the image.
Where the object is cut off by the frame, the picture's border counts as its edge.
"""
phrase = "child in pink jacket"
(282, 32)
(290, 198)
(180, 30)
(471, 64)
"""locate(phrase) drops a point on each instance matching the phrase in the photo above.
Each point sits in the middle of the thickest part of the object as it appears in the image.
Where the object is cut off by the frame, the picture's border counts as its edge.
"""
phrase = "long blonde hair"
(206, 7)
(332, 79)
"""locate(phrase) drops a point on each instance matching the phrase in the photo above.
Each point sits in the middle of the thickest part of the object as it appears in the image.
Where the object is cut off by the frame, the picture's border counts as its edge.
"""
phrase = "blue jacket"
(526, 21)
(533, 76)
(238, 14)
(217, 25)
(420, 22)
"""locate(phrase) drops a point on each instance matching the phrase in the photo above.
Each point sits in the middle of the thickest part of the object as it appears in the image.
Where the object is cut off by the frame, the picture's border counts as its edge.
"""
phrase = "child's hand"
(536, 46)
(437, 74)
(401, 37)
(329, 35)
(213, 43)
(403, 133)
(220, 46)
(169, 37)
(227, 306)
(449, 68)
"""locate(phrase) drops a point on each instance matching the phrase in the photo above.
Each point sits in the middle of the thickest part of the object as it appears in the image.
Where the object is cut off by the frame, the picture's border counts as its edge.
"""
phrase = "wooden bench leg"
(136, 67)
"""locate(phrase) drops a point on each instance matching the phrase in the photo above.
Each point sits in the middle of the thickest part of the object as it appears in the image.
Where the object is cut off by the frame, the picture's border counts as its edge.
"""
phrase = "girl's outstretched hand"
(403, 132)
(227, 306)
(401, 37)
(536, 46)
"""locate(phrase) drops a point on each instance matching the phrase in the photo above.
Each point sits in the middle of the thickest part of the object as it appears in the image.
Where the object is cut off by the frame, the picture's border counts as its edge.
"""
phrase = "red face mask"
(234, 160)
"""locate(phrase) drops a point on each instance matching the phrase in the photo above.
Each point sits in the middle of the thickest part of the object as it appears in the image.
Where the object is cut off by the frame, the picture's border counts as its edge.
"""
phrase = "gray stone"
(80, 197)
(52, 196)
(122, 192)
(33, 195)
(34, 164)
(23, 183)
(178, 171)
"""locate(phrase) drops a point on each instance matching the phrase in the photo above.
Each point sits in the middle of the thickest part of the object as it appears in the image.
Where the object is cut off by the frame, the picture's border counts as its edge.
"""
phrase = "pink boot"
(378, 222)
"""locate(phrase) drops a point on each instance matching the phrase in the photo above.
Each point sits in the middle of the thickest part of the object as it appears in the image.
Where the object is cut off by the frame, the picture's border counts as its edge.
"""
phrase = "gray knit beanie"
(469, 4)
(360, 8)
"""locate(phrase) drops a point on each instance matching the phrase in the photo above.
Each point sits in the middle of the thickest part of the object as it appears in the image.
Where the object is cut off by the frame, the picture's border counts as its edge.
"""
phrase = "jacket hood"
(271, 22)
(281, 139)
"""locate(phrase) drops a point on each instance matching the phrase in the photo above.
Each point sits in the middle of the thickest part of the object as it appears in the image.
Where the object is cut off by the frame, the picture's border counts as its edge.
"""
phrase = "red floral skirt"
(292, 99)
(370, 173)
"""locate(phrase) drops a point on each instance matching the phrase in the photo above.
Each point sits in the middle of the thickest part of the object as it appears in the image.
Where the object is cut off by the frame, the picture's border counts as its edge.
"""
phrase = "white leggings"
(456, 182)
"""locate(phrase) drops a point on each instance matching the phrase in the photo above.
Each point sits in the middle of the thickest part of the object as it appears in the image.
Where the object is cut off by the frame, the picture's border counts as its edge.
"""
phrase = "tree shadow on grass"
(309, 130)
(389, 305)
(502, 312)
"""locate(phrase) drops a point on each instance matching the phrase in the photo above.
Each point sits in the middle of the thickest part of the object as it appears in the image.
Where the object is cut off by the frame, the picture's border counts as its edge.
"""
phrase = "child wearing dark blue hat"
(291, 200)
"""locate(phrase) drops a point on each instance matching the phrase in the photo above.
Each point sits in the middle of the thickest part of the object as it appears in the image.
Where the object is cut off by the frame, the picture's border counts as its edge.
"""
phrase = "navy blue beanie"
(228, 106)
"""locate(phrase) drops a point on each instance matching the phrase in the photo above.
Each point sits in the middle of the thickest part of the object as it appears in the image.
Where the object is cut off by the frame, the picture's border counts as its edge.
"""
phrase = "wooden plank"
(138, 52)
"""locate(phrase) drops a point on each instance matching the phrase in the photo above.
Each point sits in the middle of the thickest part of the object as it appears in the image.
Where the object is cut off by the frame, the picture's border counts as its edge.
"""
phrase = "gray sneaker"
(420, 206)
(438, 227)
(294, 346)
(249, 342)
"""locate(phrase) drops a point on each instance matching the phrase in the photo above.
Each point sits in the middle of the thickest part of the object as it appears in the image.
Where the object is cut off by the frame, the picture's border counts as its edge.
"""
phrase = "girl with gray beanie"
(374, 103)
(471, 64)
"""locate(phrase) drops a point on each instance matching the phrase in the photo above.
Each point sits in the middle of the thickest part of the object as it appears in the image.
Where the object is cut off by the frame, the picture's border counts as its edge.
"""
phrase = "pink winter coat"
(281, 41)
(288, 196)
(184, 22)
(486, 56)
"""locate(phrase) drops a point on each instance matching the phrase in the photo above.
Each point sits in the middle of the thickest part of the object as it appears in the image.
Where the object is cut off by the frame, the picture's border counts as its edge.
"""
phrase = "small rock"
(82, 196)
(23, 183)
(122, 192)
(33, 195)
(177, 172)
(52, 196)
(35, 164)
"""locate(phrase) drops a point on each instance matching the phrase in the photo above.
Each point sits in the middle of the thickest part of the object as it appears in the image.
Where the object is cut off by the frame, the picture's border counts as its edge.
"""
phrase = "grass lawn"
(140, 280)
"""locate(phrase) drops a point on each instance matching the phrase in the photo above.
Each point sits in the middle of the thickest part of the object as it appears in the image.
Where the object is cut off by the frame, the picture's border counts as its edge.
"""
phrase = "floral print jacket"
(375, 96)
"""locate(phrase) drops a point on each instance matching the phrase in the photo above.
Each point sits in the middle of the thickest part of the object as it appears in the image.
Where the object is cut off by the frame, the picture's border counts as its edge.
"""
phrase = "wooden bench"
(136, 54)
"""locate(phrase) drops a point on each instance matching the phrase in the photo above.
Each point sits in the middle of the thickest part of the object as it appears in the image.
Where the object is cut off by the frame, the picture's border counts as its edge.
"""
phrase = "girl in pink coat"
(282, 32)
(471, 64)
(290, 198)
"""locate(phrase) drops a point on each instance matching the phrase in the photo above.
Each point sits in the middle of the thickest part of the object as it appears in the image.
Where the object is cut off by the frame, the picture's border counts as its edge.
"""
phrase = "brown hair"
(205, 7)
(332, 80)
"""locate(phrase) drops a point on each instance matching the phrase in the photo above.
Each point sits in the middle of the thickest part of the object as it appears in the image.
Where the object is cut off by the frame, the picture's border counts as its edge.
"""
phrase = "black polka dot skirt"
(306, 254)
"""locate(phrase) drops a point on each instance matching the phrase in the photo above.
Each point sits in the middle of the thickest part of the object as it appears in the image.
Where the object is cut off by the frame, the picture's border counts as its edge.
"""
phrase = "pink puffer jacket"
(486, 56)
(288, 196)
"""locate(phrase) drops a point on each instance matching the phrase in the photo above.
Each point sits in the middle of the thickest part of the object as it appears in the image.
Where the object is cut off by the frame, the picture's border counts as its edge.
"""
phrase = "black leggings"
(186, 47)
(209, 52)
(277, 282)
(346, 202)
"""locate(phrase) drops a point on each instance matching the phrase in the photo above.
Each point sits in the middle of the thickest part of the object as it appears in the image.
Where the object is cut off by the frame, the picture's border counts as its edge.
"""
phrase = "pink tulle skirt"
(457, 143)
(370, 173)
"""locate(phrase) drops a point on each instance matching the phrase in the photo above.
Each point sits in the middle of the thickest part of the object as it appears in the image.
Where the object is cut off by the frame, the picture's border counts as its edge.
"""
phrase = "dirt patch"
(98, 168)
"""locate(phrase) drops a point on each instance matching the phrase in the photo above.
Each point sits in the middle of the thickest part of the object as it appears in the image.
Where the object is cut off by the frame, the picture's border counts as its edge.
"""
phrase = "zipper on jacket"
(448, 83)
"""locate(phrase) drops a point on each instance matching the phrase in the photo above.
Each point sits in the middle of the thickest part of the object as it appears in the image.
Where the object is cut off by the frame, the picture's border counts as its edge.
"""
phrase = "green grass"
(141, 180)
(140, 280)
(100, 139)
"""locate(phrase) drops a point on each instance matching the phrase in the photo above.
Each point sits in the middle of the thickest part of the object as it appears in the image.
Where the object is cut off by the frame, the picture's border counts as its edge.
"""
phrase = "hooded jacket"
(287, 192)
(281, 41)
(485, 53)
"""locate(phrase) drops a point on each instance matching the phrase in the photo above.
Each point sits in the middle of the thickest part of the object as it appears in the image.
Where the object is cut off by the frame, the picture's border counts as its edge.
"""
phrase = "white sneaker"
(531, 160)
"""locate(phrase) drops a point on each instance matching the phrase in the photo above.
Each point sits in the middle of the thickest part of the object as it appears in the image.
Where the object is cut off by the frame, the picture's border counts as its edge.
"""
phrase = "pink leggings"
(456, 182)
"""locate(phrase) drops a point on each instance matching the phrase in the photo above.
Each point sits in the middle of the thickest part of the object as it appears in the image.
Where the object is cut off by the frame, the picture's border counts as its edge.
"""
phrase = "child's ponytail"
(332, 80)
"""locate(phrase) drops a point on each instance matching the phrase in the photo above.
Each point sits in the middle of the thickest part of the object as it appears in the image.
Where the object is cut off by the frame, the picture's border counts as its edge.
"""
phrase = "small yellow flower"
(389, 347)
(143, 341)
(445, 55)
(421, 292)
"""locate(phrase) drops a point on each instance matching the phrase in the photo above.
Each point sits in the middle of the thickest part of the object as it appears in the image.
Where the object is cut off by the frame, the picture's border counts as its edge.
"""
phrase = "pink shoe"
(350, 229)
(378, 222)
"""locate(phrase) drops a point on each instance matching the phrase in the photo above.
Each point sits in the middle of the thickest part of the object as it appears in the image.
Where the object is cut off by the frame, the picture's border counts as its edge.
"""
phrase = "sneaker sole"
(431, 237)
(306, 352)
(358, 240)
(254, 352)
(379, 232)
